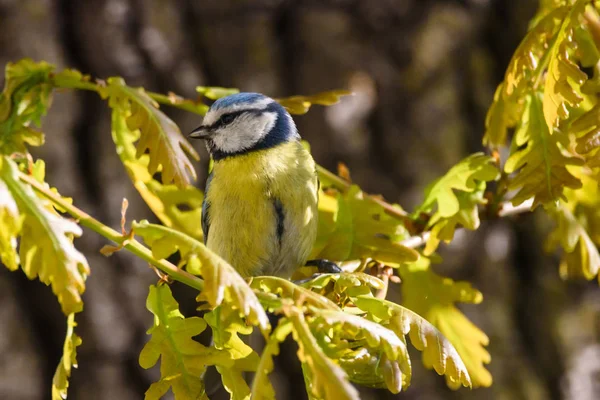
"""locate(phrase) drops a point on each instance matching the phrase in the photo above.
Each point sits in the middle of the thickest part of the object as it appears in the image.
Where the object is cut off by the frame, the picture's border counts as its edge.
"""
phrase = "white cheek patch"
(246, 131)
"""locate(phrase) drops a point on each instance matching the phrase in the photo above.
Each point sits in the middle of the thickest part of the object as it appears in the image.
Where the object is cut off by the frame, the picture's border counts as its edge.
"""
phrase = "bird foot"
(324, 266)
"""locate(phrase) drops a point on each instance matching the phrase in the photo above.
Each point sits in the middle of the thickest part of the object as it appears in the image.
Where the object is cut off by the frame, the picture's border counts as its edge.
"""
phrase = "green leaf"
(289, 290)
(46, 248)
(464, 176)
(215, 92)
(60, 381)
(467, 217)
(577, 228)
(340, 287)
(434, 298)
(262, 389)
(580, 257)
(564, 77)
(10, 226)
(183, 360)
(539, 165)
(324, 378)
(341, 330)
(222, 284)
(438, 352)
(159, 135)
(455, 197)
(177, 207)
(227, 325)
(351, 228)
(24, 100)
(301, 104)
(522, 73)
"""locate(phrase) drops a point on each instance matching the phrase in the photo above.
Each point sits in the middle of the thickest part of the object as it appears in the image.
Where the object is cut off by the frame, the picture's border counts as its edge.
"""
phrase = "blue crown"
(238, 98)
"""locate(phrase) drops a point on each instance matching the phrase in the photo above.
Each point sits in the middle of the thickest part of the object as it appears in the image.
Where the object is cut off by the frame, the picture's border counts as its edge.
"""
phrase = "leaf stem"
(131, 245)
(170, 99)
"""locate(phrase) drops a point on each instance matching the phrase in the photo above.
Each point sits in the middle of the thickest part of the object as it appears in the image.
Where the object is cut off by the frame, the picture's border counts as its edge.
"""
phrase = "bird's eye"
(227, 118)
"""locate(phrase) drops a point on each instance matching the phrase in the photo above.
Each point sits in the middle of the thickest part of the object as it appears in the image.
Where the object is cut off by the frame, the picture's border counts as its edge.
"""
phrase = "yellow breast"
(244, 220)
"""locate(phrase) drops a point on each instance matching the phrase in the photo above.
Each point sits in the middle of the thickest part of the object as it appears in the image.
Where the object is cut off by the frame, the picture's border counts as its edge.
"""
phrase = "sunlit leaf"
(68, 361)
(289, 290)
(301, 104)
(434, 297)
(226, 326)
(577, 228)
(215, 92)
(455, 196)
(522, 73)
(177, 207)
(464, 176)
(183, 360)
(325, 379)
(166, 146)
(10, 223)
(564, 77)
(341, 330)
(350, 228)
(222, 284)
(539, 165)
(438, 352)
(580, 258)
(46, 248)
(24, 100)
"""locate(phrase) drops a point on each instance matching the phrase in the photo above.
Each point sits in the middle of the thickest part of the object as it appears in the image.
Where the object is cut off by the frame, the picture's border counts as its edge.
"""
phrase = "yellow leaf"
(351, 227)
(324, 379)
(24, 100)
(434, 298)
(177, 207)
(46, 248)
(183, 360)
(222, 284)
(342, 329)
(564, 77)
(10, 226)
(578, 228)
(455, 197)
(522, 74)
(438, 352)
(68, 361)
(301, 104)
(539, 165)
(160, 136)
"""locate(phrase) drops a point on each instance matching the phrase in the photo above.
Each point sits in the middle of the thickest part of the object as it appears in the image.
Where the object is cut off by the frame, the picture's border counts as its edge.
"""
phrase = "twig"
(129, 244)
(507, 209)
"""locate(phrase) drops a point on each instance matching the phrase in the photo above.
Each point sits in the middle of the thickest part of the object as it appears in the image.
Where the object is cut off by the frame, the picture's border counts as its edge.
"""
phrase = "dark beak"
(201, 132)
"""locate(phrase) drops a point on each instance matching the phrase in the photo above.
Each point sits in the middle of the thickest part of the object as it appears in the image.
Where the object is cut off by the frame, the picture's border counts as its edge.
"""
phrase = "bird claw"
(324, 266)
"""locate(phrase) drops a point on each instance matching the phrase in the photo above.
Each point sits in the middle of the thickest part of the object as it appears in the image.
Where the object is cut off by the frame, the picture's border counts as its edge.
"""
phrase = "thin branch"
(127, 243)
(170, 99)
(507, 209)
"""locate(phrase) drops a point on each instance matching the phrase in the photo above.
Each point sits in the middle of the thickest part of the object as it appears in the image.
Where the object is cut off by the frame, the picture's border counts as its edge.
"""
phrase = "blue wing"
(206, 209)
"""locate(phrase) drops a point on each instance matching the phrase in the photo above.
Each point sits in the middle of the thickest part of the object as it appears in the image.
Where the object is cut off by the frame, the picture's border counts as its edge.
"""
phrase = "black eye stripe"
(228, 118)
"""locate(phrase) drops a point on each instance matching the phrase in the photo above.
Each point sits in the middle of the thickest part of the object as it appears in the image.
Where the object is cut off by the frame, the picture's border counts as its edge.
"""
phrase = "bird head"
(244, 122)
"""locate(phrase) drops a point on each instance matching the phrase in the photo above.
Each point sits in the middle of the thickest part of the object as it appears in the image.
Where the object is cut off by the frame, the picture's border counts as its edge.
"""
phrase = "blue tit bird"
(260, 206)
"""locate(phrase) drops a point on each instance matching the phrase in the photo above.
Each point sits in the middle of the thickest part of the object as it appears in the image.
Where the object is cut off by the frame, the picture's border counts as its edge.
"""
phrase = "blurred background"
(424, 73)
